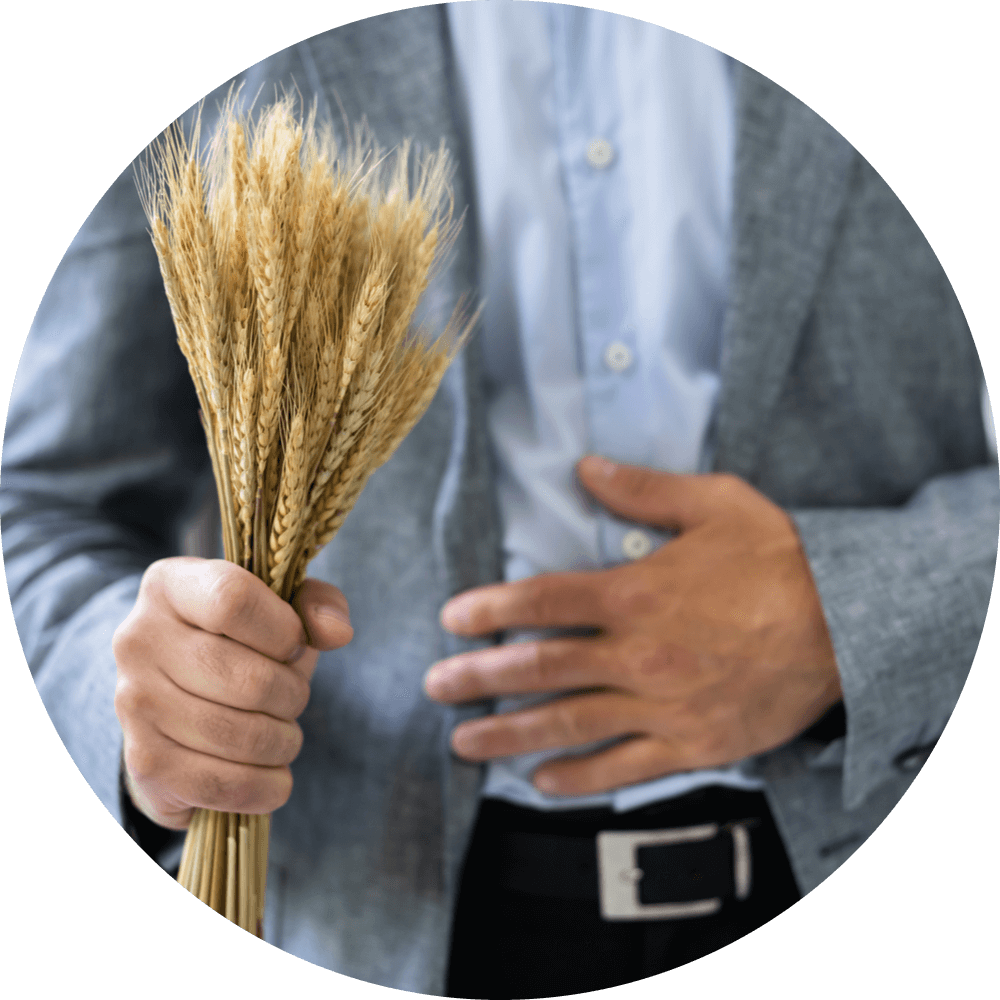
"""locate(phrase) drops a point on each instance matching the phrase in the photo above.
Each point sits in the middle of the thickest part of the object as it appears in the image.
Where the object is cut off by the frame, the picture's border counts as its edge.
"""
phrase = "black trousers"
(518, 931)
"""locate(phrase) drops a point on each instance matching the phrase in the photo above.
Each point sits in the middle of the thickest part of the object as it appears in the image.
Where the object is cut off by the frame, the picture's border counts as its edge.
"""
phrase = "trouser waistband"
(528, 921)
(680, 858)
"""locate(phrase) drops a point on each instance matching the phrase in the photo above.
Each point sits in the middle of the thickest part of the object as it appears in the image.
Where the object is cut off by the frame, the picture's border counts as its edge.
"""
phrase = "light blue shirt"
(603, 154)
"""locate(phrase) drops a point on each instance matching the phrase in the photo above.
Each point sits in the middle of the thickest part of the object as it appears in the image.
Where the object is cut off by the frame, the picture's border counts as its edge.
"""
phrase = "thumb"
(324, 613)
(659, 499)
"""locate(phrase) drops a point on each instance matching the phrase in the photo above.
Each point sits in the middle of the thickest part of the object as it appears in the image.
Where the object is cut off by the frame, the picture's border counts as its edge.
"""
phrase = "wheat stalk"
(293, 269)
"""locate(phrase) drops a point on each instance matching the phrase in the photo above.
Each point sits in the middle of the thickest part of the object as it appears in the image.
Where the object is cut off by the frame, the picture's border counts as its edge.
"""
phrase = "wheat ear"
(293, 270)
(288, 517)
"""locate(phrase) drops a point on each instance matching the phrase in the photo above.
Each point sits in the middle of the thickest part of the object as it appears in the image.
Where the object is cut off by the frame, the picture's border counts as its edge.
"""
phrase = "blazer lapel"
(792, 173)
(397, 70)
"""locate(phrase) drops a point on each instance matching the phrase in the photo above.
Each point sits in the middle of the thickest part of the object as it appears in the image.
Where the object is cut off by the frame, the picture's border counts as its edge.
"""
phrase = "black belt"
(635, 874)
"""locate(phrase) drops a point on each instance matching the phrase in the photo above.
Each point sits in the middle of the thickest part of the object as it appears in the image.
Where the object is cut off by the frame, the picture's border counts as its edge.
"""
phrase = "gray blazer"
(850, 396)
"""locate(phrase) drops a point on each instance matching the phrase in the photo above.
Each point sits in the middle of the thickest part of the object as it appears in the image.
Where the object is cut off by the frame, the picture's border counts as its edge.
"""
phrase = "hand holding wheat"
(293, 273)
(213, 670)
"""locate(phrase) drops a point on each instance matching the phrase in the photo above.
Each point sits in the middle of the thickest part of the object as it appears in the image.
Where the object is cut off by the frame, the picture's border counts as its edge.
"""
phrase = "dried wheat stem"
(198, 832)
(251, 874)
(264, 837)
(217, 895)
(208, 855)
(187, 853)
(292, 271)
(231, 849)
(242, 867)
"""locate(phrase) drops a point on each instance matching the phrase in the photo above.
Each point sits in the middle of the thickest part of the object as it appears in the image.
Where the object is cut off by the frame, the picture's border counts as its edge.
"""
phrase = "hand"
(213, 670)
(711, 649)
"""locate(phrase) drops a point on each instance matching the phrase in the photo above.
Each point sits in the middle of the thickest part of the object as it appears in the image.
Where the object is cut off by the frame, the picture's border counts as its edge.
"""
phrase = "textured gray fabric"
(850, 395)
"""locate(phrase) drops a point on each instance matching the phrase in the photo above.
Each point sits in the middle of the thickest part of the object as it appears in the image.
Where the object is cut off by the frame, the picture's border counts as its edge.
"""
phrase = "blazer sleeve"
(876, 446)
(103, 461)
(905, 592)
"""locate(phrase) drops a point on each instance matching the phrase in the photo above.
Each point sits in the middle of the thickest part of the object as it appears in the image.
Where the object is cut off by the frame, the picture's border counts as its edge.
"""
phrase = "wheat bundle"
(293, 270)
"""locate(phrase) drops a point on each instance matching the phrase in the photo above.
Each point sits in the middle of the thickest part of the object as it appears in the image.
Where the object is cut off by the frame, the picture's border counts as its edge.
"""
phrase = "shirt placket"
(588, 117)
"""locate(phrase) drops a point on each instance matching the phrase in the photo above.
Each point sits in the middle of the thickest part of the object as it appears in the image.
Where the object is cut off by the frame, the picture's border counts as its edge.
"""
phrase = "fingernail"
(597, 465)
(300, 651)
(465, 742)
(457, 613)
(330, 614)
(438, 681)
(547, 783)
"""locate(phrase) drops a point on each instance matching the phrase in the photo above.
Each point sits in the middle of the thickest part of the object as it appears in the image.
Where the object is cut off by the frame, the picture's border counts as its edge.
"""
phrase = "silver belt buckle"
(618, 874)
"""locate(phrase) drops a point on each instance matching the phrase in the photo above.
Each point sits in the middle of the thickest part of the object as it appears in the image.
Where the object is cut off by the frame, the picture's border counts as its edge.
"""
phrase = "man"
(849, 395)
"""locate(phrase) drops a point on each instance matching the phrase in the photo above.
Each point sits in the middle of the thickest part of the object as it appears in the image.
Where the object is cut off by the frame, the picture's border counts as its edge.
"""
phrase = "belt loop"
(742, 865)
(742, 858)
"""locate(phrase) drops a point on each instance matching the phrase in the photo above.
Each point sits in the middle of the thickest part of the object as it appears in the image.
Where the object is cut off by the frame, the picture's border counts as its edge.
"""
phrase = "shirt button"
(600, 153)
(636, 544)
(617, 356)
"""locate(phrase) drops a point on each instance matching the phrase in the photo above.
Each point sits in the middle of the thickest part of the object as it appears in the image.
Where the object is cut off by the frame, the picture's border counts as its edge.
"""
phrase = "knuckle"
(543, 598)
(153, 578)
(301, 692)
(556, 663)
(566, 722)
(122, 639)
(605, 660)
(132, 700)
(258, 741)
(124, 700)
(644, 656)
(534, 589)
(642, 486)
(727, 486)
(218, 729)
(627, 596)
(264, 742)
(541, 663)
(246, 792)
(231, 597)
(209, 657)
(211, 791)
(295, 740)
(702, 750)
(160, 579)
(611, 598)
(142, 762)
(261, 686)
(280, 789)
(130, 644)
(254, 684)
(267, 742)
